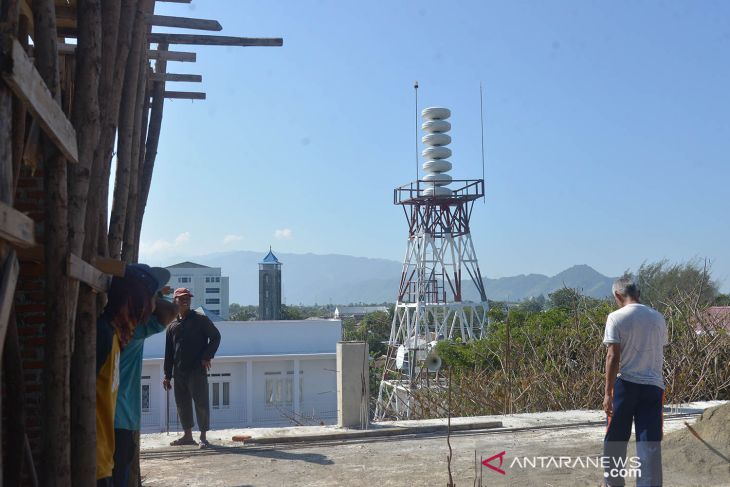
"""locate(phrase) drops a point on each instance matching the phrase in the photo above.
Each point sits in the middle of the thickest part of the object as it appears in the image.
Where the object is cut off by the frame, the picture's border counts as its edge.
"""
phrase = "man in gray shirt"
(636, 336)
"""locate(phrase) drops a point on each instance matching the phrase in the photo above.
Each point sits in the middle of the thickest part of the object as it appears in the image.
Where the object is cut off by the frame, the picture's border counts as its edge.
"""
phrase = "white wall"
(250, 353)
(266, 338)
(247, 402)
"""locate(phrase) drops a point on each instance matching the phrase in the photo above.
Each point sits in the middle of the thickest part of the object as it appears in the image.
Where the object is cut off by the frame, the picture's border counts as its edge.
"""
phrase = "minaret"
(270, 287)
(440, 257)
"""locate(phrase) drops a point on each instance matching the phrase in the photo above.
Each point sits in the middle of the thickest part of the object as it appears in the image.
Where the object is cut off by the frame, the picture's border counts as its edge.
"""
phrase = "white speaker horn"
(433, 361)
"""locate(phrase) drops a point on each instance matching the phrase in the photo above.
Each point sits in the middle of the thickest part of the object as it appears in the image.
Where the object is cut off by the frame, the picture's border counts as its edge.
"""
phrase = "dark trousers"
(641, 405)
(124, 447)
(192, 387)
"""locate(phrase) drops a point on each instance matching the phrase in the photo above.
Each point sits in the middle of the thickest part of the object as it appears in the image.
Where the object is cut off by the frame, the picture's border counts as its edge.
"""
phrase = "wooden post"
(153, 140)
(86, 119)
(55, 407)
(120, 45)
(125, 137)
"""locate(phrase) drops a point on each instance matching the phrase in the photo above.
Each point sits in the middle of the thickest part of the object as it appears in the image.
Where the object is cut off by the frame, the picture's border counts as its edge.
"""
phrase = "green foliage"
(663, 283)
(374, 328)
(237, 312)
(722, 300)
(553, 359)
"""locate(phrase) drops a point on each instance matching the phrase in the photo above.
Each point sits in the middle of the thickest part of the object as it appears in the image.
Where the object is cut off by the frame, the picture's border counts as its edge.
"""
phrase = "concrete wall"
(352, 384)
(266, 338)
(261, 392)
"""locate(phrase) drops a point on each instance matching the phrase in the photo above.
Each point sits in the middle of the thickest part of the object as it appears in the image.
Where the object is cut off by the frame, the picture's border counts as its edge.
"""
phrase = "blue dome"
(270, 258)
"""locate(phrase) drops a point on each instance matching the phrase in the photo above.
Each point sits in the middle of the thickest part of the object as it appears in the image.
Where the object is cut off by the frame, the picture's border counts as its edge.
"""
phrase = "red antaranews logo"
(487, 463)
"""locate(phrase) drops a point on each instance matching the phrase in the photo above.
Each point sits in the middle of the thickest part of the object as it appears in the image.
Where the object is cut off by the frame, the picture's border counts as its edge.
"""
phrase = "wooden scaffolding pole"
(87, 121)
(56, 450)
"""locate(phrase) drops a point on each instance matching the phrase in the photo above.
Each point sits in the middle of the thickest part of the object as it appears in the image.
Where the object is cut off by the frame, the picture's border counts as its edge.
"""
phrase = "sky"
(606, 130)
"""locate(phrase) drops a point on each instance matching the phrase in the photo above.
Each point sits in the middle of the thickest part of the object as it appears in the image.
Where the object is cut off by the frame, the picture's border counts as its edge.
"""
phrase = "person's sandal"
(183, 441)
(204, 444)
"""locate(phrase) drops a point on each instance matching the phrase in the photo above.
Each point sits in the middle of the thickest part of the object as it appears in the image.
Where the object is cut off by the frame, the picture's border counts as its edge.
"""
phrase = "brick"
(25, 330)
(33, 320)
(34, 341)
(30, 308)
(25, 182)
(33, 364)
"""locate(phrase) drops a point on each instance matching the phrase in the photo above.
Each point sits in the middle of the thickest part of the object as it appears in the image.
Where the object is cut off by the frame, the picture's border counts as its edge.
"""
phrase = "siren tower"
(439, 258)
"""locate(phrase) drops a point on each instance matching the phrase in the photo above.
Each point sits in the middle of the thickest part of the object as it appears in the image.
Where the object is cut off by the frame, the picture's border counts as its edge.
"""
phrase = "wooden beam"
(211, 40)
(66, 49)
(28, 85)
(185, 95)
(15, 227)
(190, 78)
(110, 266)
(9, 278)
(172, 55)
(175, 1)
(83, 271)
(36, 253)
(183, 22)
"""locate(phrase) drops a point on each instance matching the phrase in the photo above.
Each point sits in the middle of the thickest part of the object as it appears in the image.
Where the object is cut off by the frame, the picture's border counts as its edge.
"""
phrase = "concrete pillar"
(295, 388)
(353, 385)
(249, 392)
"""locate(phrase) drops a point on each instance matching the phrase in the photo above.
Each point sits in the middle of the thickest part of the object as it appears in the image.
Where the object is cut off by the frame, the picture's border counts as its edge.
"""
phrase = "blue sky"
(607, 130)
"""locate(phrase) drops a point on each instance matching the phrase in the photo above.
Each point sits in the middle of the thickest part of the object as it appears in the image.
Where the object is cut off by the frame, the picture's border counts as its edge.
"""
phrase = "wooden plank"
(36, 253)
(15, 227)
(9, 280)
(183, 22)
(83, 271)
(110, 266)
(211, 40)
(185, 95)
(181, 56)
(66, 49)
(28, 85)
(175, 1)
(190, 78)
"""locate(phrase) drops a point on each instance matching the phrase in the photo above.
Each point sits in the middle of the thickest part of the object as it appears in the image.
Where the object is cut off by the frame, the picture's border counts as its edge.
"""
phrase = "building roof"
(188, 265)
(358, 310)
(265, 338)
(211, 315)
(270, 258)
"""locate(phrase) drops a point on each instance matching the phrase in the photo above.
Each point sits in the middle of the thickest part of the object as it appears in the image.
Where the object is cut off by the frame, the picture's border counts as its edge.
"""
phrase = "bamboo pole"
(56, 413)
(119, 43)
(87, 121)
(125, 137)
(153, 140)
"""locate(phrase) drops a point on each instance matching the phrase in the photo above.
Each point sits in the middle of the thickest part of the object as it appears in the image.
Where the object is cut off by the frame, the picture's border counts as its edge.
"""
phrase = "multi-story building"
(209, 288)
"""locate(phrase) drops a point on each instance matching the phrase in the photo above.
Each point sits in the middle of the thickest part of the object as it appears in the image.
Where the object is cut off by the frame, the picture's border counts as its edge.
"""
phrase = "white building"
(357, 312)
(252, 379)
(209, 288)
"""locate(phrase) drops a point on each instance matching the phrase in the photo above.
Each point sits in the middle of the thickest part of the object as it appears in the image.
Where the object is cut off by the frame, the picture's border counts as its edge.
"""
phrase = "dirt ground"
(407, 461)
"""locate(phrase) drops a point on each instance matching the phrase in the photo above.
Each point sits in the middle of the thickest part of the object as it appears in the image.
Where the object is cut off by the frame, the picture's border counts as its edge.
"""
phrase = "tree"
(662, 283)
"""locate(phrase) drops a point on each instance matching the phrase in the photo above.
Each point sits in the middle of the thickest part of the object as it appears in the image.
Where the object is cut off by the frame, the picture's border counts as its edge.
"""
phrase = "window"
(212, 301)
(212, 290)
(184, 279)
(280, 391)
(217, 279)
(145, 397)
(216, 395)
(217, 399)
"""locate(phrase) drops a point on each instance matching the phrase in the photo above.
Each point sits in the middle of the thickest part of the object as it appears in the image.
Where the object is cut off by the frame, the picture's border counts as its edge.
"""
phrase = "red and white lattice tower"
(440, 257)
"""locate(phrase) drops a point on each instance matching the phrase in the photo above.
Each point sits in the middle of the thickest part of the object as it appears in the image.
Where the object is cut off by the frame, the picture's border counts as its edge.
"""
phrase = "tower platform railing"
(462, 190)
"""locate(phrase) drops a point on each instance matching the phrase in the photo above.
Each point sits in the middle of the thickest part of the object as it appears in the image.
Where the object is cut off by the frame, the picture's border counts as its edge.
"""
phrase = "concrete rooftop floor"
(408, 460)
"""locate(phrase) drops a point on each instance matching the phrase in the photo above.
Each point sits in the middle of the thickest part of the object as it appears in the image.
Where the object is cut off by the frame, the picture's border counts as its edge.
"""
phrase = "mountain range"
(342, 279)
